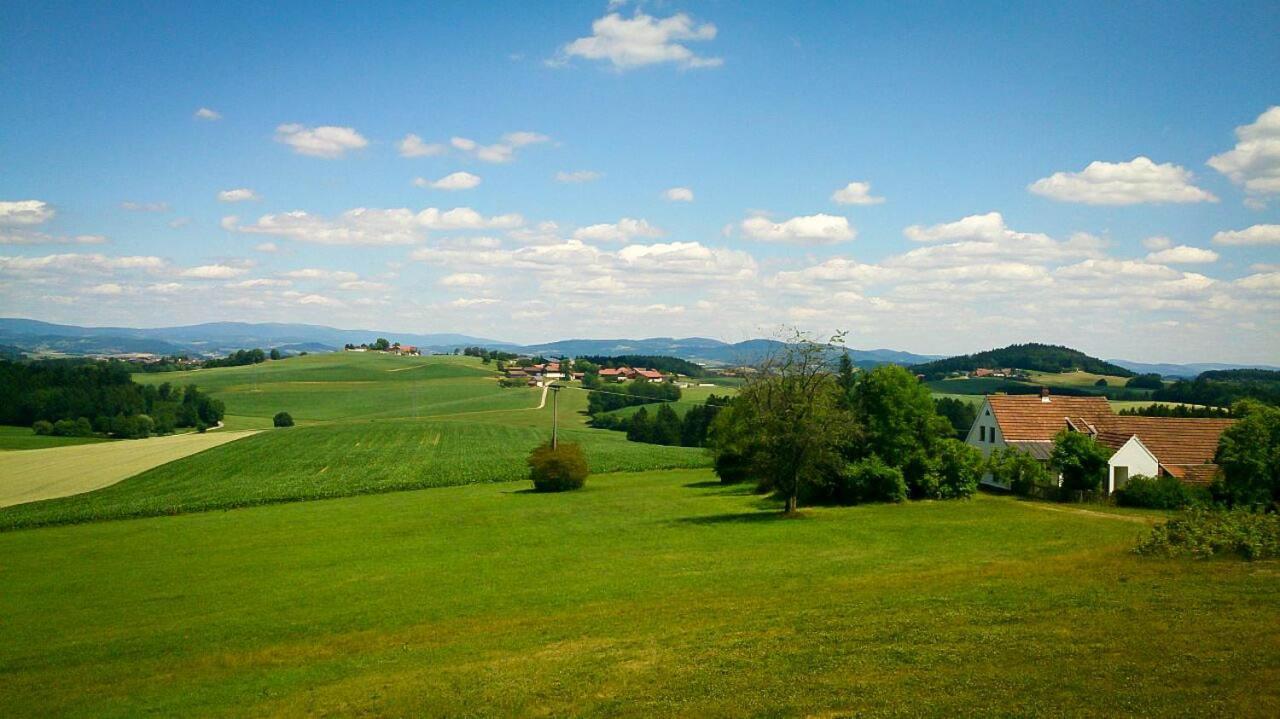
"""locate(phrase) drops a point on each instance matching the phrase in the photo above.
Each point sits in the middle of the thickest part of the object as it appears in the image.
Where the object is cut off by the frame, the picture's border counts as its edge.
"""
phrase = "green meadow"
(423, 577)
(644, 595)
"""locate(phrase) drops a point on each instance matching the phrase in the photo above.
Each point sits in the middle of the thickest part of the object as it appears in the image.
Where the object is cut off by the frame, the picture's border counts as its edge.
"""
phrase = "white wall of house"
(985, 434)
(1132, 459)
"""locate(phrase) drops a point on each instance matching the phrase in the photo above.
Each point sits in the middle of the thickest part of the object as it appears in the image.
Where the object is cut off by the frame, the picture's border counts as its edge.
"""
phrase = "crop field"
(645, 595)
(42, 474)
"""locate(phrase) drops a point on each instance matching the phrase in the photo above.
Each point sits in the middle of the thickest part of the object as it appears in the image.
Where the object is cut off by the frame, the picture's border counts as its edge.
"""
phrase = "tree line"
(1029, 356)
(1222, 388)
(664, 425)
(76, 396)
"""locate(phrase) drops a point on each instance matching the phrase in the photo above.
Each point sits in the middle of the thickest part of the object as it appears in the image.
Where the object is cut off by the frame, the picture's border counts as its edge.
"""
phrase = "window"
(992, 435)
(982, 434)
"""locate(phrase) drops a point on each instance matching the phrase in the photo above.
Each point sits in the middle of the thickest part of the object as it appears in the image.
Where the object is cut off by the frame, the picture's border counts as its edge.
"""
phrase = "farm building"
(1157, 446)
(619, 374)
(1151, 446)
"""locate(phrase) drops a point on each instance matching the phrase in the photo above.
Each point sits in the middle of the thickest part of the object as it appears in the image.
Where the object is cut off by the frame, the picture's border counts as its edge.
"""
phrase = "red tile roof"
(1175, 441)
(1025, 417)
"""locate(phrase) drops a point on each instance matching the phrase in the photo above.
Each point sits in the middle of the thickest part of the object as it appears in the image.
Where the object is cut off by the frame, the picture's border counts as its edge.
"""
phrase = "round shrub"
(1162, 493)
(559, 469)
(41, 426)
(871, 480)
(959, 468)
(1017, 470)
(282, 419)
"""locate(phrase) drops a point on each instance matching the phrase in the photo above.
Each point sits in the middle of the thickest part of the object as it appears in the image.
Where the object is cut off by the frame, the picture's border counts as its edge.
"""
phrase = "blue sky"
(577, 119)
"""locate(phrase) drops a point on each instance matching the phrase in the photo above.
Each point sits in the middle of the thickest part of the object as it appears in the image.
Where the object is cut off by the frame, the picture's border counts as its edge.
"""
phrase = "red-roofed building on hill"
(1151, 446)
(619, 374)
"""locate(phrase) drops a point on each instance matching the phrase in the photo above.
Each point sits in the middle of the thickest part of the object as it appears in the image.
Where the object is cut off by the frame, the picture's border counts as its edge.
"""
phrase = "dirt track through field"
(35, 474)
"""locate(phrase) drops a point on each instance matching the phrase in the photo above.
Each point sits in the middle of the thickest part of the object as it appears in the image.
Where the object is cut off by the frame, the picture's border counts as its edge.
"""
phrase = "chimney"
(1044, 395)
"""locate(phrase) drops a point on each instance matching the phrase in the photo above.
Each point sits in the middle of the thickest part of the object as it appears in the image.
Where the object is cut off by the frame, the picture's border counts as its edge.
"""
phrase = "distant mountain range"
(219, 338)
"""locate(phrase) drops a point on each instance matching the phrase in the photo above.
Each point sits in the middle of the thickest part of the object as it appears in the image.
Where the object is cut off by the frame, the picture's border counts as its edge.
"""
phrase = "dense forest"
(1031, 356)
(94, 396)
(664, 426)
(1221, 388)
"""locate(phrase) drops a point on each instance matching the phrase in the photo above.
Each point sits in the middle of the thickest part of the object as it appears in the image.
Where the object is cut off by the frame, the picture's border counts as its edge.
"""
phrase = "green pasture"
(658, 594)
(24, 438)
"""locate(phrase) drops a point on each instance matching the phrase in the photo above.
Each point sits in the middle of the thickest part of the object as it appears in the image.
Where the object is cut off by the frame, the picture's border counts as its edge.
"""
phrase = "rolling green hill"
(1031, 356)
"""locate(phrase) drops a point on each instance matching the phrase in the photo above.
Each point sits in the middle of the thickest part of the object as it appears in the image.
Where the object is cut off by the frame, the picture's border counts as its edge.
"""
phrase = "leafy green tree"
(640, 428)
(1249, 456)
(275, 354)
(1016, 470)
(1081, 460)
(959, 413)
(870, 480)
(282, 419)
(383, 345)
(1145, 381)
(897, 414)
(791, 425)
(666, 426)
(958, 467)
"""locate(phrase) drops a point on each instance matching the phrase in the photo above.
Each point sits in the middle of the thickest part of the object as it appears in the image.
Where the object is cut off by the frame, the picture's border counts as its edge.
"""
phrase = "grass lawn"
(23, 438)
(1078, 379)
(654, 594)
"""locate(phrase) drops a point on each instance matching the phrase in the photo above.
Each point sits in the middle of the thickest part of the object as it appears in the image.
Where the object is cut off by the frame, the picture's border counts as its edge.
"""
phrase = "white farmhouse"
(1029, 422)
(1162, 446)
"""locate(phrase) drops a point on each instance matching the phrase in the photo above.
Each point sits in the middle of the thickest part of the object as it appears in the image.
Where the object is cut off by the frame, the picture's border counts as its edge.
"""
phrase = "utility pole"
(555, 405)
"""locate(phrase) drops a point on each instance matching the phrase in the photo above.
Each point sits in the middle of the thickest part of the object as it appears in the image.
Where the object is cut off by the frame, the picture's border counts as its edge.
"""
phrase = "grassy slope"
(657, 594)
(415, 422)
(24, 438)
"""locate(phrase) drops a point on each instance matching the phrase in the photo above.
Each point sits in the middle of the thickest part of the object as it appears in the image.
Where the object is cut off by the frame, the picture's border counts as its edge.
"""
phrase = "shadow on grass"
(709, 484)
(771, 515)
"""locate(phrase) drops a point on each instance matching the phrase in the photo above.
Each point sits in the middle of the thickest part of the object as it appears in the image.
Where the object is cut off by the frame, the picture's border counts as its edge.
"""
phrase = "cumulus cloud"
(628, 43)
(577, 176)
(1157, 243)
(240, 194)
(1122, 183)
(819, 229)
(498, 152)
(84, 263)
(1254, 162)
(259, 283)
(988, 227)
(315, 273)
(855, 193)
(325, 141)
(464, 279)
(413, 146)
(1255, 235)
(624, 230)
(145, 206)
(30, 237)
(205, 113)
(454, 181)
(213, 272)
(25, 212)
(267, 247)
(369, 226)
(1183, 255)
(678, 194)
(363, 286)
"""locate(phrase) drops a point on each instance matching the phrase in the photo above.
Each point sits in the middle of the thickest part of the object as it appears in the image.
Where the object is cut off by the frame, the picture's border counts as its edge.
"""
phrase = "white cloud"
(1264, 282)
(177, 222)
(25, 212)
(577, 176)
(816, 229)
(1254, 162)
(266, 247)
(642, 40)
(1157, 243)
(93, 263)
(314, 273)
(106, 289)
(364, 285)
(855, 193)
(213, 272)
(1122, 183)
(30, 237)
(624, 230)
(464, 303)
(464, 279)
(259, 283)
(318, 300)
(240, 194)
(465, 218)
(205, 113)
(145, 206)
(678, 194)
(1183, 255)
(325, 141)
(498, 152)
(413, 146)
(454, 181)
(988, 227)
(1255, 235)
(368, 226)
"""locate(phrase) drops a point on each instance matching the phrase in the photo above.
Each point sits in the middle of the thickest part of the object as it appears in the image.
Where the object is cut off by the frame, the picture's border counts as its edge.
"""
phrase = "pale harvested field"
(30, 475)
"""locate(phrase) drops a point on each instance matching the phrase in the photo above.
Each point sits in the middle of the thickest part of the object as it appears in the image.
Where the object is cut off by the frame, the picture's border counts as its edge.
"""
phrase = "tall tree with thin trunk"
(791, 415)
